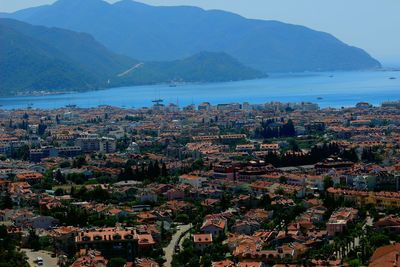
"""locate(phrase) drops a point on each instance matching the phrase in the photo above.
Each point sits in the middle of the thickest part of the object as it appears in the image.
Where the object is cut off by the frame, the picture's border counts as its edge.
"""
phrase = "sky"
(369, 24)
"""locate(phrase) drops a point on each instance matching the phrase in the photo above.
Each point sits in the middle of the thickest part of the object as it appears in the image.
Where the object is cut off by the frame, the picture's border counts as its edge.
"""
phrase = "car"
(39, 261)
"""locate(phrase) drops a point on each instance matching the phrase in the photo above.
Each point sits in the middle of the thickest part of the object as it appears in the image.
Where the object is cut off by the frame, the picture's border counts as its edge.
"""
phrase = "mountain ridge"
(36, 58)
(168, 33)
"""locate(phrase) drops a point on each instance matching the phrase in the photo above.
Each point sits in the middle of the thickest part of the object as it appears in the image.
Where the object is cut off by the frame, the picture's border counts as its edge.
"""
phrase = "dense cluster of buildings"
(239, 166)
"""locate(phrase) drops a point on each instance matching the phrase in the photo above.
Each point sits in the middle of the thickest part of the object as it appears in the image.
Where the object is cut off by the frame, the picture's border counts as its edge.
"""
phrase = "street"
(170, 249)
(48, 261)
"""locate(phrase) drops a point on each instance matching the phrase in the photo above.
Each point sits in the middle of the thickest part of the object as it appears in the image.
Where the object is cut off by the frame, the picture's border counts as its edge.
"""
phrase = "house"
(195, 181)
(251, 264)
(128, 240)
(202, 241)
(259, 215)
(390, 223)
(386, 256)
(64, 238)
(22, 218)
(223, 263)
(175, 194)
(145, 262)
(147, 195)
(339, 220)
(31, 177)
(91, 259)
(215, 227)
(43, 222)
(245, 227)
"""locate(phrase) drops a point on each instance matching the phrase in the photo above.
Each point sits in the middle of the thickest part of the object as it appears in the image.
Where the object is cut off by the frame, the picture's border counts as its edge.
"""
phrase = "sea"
(328, 89)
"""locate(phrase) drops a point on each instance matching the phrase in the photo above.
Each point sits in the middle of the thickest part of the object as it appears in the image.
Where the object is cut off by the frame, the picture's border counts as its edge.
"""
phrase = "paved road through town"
(48, 261)
(170, 249)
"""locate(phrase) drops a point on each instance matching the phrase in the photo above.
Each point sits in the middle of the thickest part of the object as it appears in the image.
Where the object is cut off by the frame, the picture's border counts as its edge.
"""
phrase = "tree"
(59, 177)
(20, 153)
(33, 240)
(283, 180)
(355, 263)
(6, 201)
(98, 194)
(293, 145)
(157, 170)
(164, 171)
(59, 192)
(328, 182)
(279, 191)
(9, 256)
(79, 162)
(116, 262)
(350, 155)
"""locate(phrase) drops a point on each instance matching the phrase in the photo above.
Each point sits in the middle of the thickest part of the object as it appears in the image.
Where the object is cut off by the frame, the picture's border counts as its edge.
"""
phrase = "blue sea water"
(336, 89)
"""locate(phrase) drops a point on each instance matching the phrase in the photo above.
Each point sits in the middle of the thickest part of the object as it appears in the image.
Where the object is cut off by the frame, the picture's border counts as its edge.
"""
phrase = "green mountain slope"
(168, 33)
(202, 67)
(35, 58)
(28, 64)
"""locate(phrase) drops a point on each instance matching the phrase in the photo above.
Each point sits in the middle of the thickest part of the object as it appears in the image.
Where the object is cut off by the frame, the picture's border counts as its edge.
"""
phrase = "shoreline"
(328, 89)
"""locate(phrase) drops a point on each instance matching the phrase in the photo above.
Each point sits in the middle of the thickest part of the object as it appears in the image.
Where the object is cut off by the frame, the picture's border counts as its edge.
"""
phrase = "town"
(226, 185)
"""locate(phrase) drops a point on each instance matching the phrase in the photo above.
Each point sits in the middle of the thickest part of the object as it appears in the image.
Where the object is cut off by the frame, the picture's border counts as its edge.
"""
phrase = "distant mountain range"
(171, 33)
(34, 58)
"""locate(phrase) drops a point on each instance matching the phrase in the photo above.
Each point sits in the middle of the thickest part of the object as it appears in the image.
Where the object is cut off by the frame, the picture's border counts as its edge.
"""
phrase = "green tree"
(328, 182)
(116, 262)
(6, 201)
(33, 240)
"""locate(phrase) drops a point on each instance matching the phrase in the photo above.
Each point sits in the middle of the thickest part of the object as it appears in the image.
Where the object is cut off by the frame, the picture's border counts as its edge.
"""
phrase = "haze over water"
(336, 89)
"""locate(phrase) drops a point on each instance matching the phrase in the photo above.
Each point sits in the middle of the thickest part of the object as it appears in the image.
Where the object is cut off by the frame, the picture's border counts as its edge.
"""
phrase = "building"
(378, 199)
(90, 143)
(36, 155)
(91, 259)
(333, 163)
(108, 145)
(339, 220)
(215, 227)
(224, 170)
(29, 177)
(386, 256)
(202, 241)
(195, 181)
(390, 223)
(115, 242)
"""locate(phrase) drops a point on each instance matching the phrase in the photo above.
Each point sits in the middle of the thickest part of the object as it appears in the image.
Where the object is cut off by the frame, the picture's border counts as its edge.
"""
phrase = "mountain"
(169, 33)
(40, 58)
(34, 58)
(201, 67)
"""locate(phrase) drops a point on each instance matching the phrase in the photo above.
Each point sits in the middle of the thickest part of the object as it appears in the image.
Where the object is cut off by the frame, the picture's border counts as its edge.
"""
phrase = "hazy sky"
(373, 25)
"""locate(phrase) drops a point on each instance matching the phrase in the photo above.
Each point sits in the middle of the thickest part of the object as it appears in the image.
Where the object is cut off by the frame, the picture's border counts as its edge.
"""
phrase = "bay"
(336, 89)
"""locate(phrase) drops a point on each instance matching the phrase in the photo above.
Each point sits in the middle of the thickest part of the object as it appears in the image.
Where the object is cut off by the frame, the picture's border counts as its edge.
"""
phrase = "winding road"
(170, 249)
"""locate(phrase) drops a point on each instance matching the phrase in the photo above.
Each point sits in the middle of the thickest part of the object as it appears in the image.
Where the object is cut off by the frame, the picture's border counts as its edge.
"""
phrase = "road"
(184, 236)
(48, 261)
(169, 250)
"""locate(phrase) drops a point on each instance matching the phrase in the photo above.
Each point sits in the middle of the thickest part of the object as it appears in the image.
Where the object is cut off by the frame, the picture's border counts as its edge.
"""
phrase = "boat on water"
(320, 98)
(157, 101)
(392, 78)
(174, 83)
